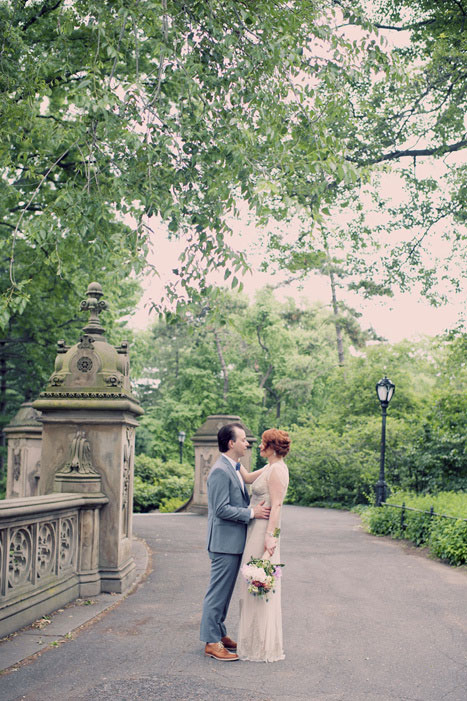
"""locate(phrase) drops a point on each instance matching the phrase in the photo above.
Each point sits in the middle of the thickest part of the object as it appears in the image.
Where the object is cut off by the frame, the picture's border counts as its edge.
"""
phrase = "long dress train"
(260, 630)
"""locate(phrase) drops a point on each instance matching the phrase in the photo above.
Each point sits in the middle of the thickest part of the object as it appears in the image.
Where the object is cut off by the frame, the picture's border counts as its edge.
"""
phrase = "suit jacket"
(228, 511)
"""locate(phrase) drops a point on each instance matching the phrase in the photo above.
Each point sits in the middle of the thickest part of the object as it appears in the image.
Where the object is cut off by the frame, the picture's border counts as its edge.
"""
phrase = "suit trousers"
(224, 571)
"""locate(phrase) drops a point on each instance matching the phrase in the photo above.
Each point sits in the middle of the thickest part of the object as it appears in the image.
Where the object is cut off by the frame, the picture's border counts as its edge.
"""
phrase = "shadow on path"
(365, 619)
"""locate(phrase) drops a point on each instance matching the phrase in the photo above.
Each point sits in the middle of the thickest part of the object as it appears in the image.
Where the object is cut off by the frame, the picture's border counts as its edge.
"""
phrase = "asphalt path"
(365, 619)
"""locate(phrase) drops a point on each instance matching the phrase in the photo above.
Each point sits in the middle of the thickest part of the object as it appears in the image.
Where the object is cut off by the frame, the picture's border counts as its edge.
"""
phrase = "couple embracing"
(237, 531)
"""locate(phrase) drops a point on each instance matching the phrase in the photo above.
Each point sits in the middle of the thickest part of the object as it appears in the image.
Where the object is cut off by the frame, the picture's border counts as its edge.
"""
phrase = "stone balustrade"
(49, 554)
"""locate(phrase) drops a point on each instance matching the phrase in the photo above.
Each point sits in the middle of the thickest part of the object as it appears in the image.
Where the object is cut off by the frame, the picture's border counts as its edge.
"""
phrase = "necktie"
(237, 466)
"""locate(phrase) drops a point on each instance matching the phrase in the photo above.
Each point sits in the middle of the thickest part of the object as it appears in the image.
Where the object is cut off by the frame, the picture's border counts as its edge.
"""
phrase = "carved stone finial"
(94, 304)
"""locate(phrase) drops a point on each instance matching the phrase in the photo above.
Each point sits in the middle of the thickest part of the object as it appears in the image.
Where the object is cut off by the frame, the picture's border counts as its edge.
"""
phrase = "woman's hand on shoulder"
(250, 477)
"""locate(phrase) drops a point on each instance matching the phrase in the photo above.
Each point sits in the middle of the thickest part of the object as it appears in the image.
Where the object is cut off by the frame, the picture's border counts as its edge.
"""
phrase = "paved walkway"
(365, 619)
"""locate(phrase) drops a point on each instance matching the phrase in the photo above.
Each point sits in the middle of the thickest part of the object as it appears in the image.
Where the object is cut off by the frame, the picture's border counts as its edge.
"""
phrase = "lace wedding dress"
(260, 630)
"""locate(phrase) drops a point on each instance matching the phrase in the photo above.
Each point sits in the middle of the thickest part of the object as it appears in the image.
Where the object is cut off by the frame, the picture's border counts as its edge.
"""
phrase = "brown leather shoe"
(218, 651)
(229, 643)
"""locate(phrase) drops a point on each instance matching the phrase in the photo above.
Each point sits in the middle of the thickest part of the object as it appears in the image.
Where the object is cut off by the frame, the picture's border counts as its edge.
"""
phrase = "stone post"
(89, 420)
(24, 435)
(206, 454)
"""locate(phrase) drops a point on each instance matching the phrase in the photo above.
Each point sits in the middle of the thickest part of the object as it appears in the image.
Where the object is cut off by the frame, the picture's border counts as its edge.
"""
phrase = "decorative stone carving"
(16, 464)
(126, 476)
(80, 461)
(56, 380)
(67, 542)
(46, 547)
(84, 364)
(113, 381)
(80, 395)
(19, 556)
(86, 341)
(205, 461)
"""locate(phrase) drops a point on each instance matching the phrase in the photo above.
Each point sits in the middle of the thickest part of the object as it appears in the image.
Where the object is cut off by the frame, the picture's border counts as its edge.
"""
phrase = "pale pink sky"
(403, 316)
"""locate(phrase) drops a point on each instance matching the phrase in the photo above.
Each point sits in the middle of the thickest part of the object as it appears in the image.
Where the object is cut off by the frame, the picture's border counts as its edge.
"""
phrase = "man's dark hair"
(226, 434)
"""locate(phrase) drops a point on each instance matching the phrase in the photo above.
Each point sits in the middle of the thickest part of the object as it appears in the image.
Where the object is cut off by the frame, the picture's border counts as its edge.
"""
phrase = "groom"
(228, 515)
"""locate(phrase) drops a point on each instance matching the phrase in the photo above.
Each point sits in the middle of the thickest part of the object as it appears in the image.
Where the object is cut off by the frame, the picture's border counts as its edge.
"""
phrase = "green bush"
(171, 505)
(382, 521)
(446, 538)
(157, 482)
(146, 497)
(151, 469)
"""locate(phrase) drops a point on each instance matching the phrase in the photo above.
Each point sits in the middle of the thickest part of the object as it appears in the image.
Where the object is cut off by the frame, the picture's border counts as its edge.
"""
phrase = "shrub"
(171, 505)
(146, 497)
(446, 538)
(151, 469)
(156, 481)
(382, 521)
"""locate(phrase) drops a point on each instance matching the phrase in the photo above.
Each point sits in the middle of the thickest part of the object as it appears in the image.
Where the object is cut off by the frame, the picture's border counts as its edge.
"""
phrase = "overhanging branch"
(412, 153)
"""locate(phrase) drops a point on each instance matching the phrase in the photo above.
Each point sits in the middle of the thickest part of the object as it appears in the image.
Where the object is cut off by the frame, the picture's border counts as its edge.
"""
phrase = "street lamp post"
(181, 441)
(385, 390)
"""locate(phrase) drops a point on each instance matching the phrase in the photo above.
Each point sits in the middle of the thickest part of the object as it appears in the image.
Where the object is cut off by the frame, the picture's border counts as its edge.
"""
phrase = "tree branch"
(265, 377)
(45, 10)
(225, 372)
(406, 27)
(412, 153)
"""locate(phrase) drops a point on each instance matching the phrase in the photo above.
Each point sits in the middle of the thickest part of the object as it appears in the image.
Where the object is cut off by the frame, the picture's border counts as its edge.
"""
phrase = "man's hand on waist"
(261, 511)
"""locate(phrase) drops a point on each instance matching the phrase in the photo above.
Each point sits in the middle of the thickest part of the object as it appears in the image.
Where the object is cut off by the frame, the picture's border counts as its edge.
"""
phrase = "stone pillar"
(206, 454)
(88, 554)
(24, 435)
(89, 419)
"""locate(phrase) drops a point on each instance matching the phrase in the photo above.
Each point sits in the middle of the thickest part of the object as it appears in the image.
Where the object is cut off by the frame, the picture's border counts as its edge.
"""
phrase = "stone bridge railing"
(49, 554)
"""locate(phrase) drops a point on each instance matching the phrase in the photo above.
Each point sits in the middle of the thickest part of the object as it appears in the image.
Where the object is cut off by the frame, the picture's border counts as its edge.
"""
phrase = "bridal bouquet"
(261, 576)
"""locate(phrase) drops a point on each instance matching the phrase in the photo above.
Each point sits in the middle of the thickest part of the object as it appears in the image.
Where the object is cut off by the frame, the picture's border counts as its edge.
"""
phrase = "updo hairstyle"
(276, 439)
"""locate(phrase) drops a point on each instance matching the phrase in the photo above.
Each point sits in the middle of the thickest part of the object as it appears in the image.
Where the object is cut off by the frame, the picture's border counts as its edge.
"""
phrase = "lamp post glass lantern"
(181, 441)
(385, 391)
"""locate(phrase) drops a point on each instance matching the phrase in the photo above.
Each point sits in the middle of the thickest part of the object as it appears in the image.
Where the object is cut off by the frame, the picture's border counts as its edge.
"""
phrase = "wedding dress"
(260, 629)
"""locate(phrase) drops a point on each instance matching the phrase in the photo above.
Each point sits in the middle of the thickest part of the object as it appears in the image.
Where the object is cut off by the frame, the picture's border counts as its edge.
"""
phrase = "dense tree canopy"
(126, 109)
(112, 112)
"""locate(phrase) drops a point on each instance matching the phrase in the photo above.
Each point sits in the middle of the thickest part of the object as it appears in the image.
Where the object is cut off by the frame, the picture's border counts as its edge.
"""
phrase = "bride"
(260, 629)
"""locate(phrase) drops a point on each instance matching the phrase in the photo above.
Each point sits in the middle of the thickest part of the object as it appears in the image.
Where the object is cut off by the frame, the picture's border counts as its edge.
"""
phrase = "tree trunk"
(335, 306)
(335, 309)
(225, 372)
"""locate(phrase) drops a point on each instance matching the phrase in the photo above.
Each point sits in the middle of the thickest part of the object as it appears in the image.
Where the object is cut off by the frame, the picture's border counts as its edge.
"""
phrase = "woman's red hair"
(276, 439)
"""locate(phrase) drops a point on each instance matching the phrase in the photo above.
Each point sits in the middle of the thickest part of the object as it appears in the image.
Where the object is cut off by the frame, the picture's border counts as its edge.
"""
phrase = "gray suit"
(228, 516)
